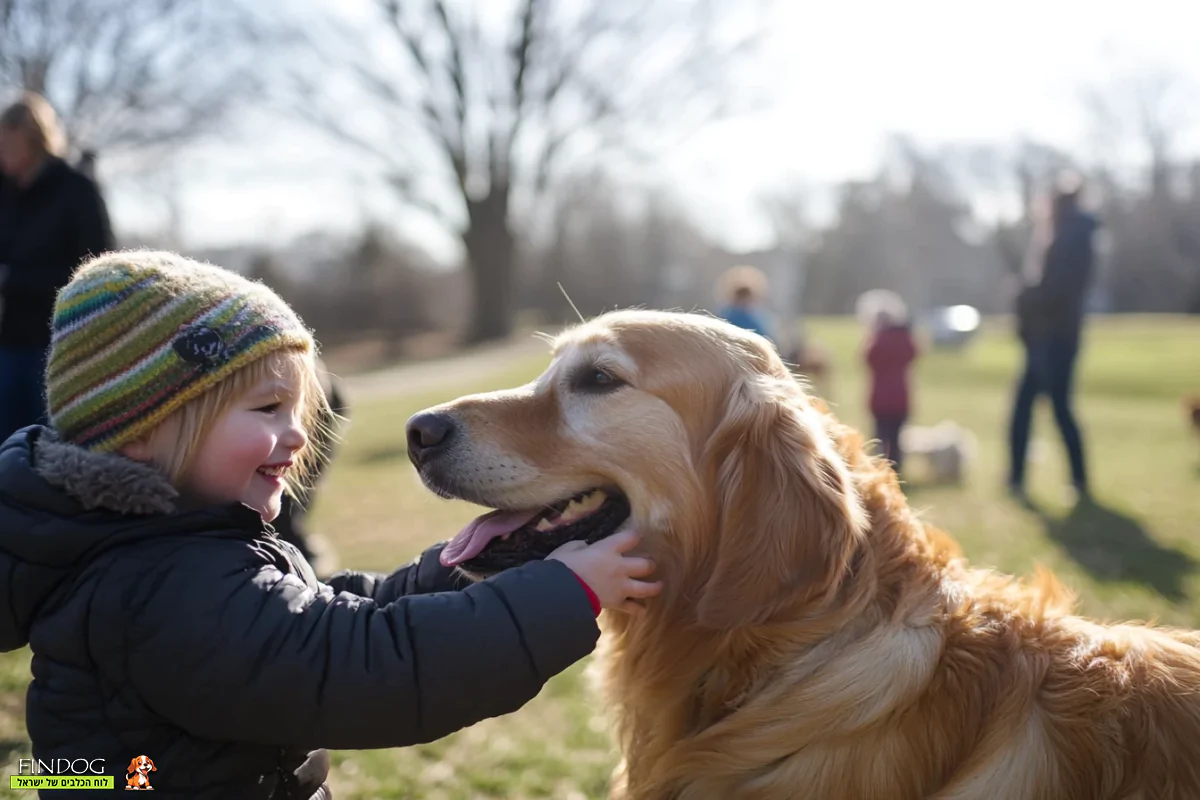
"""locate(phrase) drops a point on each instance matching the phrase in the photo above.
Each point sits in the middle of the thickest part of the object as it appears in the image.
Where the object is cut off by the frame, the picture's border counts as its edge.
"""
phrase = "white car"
(952, 326)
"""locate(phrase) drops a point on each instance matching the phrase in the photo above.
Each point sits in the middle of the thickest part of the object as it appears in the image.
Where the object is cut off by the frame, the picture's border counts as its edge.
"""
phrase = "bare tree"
(1139, 114)
(132, 75)
(1145, 108)
(473, 119)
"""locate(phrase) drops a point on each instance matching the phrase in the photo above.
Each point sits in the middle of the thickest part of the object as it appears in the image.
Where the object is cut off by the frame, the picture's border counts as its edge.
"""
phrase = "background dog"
(947, 449)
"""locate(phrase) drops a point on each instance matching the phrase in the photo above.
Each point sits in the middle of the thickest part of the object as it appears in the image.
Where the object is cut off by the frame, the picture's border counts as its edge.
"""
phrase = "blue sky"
(842, 76)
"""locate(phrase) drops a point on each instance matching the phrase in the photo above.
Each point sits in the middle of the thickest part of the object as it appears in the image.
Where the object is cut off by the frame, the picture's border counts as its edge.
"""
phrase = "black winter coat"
(46, 230)
(1054, 307)
(204, 642)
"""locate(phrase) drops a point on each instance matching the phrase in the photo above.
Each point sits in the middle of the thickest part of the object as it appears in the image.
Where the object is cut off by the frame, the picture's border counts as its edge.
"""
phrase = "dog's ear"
(132, 766)
(150, 761)
(789, 517)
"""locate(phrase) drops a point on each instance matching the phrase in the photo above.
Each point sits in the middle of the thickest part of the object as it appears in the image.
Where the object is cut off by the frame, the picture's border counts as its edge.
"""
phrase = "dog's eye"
(595, 379)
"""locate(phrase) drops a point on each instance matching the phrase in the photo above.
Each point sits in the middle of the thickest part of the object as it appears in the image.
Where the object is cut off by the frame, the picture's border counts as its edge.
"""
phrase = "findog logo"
(137, 775)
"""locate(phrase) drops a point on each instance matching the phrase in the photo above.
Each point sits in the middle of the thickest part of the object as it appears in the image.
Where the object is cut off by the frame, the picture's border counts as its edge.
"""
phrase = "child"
(744, 287)
(168, 621)
(889, 352)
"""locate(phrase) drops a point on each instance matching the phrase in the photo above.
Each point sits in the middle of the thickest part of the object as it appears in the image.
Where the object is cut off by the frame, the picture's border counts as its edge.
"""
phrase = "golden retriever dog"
(814, 638)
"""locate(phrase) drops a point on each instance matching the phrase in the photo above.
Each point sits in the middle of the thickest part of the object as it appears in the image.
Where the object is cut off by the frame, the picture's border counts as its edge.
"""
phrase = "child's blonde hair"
(181, 434)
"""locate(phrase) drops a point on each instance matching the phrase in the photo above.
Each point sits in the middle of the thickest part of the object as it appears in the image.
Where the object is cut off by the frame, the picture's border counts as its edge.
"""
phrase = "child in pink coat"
(889, 353)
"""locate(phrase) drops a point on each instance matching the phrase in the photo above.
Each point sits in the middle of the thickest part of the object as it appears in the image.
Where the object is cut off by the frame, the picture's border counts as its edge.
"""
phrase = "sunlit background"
(429, 182)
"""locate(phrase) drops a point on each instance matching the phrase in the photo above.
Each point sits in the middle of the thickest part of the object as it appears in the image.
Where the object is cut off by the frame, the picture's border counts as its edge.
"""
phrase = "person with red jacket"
(889, 352)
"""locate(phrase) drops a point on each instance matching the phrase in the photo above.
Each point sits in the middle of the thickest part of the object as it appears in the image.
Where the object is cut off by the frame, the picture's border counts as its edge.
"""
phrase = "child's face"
(245, 457)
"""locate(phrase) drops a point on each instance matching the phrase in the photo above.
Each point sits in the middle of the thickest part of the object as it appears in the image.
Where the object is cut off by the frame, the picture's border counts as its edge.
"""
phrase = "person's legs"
(1022, 416)
(1062, 353)
(897, 455)
(22, 397)
(887, 431)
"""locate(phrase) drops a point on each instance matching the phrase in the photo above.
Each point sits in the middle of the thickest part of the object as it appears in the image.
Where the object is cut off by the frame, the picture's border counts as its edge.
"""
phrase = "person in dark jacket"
(889, 353)
(165, 617)
(51, 217)
(1050, 312)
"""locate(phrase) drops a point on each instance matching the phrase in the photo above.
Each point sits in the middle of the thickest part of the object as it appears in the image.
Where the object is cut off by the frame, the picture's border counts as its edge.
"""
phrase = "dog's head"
(682, 427)
(141, 764)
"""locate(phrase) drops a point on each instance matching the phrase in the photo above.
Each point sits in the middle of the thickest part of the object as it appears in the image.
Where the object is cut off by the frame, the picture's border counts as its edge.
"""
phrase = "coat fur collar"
(103, 480)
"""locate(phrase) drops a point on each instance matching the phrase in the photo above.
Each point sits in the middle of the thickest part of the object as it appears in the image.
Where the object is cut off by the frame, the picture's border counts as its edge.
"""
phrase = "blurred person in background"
(51, 217)
(742, 290)
(1049, 312)
(889, 352)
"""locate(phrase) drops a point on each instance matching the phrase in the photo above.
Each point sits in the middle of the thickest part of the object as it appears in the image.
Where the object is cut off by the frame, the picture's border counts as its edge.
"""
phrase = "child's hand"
(609, 572)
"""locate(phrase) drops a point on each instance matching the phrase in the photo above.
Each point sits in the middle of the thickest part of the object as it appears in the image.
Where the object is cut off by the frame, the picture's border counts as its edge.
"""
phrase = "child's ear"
(138, 450)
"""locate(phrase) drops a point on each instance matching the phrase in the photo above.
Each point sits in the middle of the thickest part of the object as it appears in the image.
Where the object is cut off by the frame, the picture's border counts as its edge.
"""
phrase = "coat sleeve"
(1067, 268)
(870, 351)
(424, 575)
(94, 229)
(245, 653)
(908, 349)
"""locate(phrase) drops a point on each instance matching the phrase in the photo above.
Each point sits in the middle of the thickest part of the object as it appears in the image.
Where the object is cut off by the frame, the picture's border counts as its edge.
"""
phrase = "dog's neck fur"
(674, 689)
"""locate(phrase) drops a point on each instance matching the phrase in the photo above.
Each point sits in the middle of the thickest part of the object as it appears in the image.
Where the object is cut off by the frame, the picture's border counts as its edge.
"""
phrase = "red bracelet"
(592, 598)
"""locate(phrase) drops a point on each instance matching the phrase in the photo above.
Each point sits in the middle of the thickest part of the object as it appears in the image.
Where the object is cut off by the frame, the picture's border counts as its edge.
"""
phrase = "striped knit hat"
(138, 334)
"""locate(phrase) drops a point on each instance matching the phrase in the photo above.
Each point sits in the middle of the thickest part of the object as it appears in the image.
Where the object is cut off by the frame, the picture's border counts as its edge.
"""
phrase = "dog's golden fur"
(814, 637)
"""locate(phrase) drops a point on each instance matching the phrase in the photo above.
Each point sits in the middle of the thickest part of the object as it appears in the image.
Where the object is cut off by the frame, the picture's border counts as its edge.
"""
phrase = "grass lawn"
(1133, 556)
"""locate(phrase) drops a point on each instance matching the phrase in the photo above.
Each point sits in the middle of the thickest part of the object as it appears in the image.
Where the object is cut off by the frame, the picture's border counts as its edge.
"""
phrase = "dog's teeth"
(579, 509)
(544, 525)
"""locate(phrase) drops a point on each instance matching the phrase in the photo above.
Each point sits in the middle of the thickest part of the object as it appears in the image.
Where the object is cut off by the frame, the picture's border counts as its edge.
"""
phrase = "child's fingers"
(642, 588)
(624, 541)
(636, 567)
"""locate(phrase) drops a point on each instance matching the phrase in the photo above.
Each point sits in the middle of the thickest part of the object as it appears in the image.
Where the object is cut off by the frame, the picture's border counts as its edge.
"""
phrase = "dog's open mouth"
(502, 539)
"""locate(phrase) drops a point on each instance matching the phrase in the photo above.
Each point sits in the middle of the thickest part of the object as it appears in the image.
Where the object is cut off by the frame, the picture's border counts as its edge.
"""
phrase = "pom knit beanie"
(138, 334)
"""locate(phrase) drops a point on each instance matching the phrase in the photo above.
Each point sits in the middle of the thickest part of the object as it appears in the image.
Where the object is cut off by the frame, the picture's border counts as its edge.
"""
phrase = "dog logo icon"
(137, 775)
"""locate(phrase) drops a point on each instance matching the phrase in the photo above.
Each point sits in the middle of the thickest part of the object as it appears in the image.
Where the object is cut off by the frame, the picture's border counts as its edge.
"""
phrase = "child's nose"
(294, 437)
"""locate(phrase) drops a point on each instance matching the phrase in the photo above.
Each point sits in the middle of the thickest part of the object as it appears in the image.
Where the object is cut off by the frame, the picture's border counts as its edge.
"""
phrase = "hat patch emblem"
(200, 345)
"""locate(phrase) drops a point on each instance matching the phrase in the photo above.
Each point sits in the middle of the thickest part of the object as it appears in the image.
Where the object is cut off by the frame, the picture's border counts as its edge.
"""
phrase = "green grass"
(1133, 556)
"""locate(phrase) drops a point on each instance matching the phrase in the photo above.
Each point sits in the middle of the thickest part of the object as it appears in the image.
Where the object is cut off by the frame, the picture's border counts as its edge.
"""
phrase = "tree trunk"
(491, 259)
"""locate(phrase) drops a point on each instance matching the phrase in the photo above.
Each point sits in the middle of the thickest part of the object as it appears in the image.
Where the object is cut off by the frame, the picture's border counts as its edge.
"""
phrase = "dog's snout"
(428, 433)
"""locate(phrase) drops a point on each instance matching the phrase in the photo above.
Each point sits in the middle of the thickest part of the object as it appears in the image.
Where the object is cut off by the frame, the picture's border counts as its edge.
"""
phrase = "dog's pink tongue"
(471, 540)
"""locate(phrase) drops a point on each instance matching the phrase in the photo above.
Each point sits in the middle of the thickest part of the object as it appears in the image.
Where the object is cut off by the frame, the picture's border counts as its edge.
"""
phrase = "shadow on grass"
(1115, 547)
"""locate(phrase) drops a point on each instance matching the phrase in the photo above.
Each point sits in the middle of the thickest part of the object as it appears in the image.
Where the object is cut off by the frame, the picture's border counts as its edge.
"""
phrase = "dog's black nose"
(428, 434)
